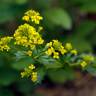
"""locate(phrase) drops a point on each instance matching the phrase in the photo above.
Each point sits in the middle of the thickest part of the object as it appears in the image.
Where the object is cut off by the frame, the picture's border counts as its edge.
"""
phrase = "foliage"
(78, 28)
(28, 42)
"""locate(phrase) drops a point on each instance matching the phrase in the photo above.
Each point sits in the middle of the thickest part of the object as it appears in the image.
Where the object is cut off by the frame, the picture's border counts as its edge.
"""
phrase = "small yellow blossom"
(29, 53)
(68, 46)
(40, 28)
(74, 52)
(56, 55)
(4, 43)
(31, 67)
(50, 51)
(34, 76)
(54, 48)
(56, 44)
(29, 72)
(83, 64)
(23, 74)
(26, 18)
(88, 58)
(33, 16)
(62, 50)
(49, 44)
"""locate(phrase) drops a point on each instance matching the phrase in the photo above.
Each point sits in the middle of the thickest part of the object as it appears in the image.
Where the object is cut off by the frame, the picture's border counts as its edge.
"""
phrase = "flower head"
(83, 64)
(32, 16)
(34, 76)
(4, 43)
(68, 46)
(27, 36)
(74, 52)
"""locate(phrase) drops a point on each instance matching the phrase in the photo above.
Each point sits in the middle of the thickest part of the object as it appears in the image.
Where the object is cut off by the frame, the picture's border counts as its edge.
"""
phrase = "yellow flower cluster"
(83, 64)
(34, 76)
(33, 16)
(55, 48)
(86, 60)
(27, 36)
(4, 43)
(68, 47)
(29, 53)
(29, 72)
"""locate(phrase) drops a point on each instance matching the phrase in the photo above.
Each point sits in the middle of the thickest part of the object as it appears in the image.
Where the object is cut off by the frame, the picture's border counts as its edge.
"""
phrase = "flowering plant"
(56, 60)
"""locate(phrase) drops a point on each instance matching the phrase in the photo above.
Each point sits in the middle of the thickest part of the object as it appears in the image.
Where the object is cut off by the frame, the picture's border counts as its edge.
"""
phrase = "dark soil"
(85, 86)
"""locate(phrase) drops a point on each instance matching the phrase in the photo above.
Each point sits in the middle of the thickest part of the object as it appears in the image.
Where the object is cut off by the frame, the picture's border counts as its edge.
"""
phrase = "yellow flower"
(33, 16)
(40, 28)
(23, 74)
(36, 19)
(62, 50)
(83, 64)
(40, 41)
(88, 58)
(74, 52)
(54, 48)
(29, 53)
(68, 46)
(50, 51)
(4, 43)
(27, 36)
(31, 67)
(49, 44)
(56, 55)
(26, 18)
(56, 44)
(34, 76)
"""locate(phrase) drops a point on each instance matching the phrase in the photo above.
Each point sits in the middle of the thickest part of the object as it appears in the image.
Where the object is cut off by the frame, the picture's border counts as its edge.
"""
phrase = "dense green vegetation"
(66, 20)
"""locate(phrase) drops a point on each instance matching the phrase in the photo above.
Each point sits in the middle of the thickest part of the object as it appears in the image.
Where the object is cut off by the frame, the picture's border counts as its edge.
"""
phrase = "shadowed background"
(66, 20)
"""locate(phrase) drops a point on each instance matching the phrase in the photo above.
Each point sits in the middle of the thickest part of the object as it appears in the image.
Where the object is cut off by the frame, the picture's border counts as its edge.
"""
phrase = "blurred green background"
(67, 20)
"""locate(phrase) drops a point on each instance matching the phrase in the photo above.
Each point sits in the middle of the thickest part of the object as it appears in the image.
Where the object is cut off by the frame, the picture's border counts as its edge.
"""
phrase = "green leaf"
(21, 1)
(81, 2)
(25, 86)
(61, 75)
(7, 13)
(91, 69)
(79, 43)
(49, 62)
(85, 28)
(41, 73)
(22, 63)
(89, 7)
(59, 17)
(7, 76)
